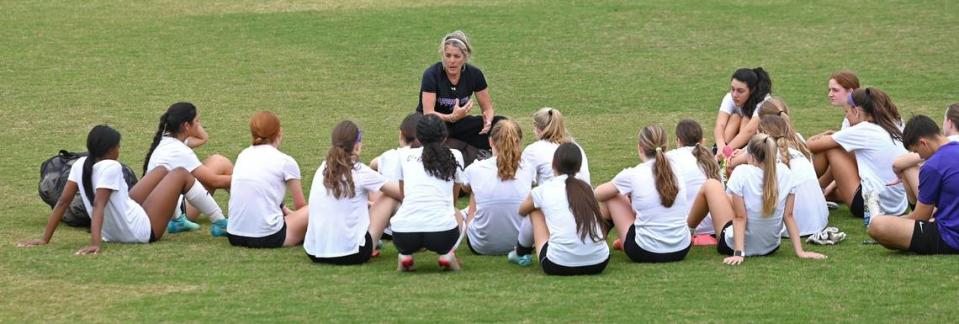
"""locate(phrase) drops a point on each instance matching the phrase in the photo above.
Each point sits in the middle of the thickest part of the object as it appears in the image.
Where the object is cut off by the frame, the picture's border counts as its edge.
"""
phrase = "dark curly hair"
(437, 158)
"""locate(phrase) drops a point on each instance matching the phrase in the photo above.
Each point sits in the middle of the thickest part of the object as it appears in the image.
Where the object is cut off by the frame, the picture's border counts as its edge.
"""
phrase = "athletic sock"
(524, 241)
(203, 201)
(522, 250)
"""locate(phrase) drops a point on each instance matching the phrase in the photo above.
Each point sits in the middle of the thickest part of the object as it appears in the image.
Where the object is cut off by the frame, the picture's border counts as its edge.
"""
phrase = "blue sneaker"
(521, 260)
(218, 228)
(181, 224)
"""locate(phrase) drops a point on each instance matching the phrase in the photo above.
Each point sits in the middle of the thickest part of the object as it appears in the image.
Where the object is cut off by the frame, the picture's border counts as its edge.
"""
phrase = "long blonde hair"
(507, 138)
(549, 122)
(775, 106)
(763, 148)
(652, 140)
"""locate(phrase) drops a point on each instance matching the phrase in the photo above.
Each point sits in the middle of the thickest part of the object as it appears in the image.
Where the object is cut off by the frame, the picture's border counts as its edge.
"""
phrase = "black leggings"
(440, 242)
(468, 128)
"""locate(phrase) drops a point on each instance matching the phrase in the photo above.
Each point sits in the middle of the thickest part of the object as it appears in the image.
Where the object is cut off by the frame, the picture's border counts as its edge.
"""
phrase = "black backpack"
(54, 173)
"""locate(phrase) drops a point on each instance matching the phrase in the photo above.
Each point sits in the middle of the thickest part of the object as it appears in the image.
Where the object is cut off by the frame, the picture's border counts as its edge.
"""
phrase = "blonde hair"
(775, 106)
(507, 137)
(652, 140)
(763, 148)
(549, 122)
(458, 40)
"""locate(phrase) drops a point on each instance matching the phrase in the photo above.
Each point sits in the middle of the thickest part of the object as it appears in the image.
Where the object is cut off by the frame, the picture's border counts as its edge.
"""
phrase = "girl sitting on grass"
(118, 213)
(694, 164)
(567, 228)
(549, 127)
(735, 122)
(177, 134)
(341, 229)
(498, 186)
(430, 176)
(762, 199)
(860, 156)
(654, 228)
(262, 176)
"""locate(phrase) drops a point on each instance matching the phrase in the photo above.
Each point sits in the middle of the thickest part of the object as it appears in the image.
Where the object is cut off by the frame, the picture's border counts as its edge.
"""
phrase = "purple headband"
(852, 103)
(359, 136)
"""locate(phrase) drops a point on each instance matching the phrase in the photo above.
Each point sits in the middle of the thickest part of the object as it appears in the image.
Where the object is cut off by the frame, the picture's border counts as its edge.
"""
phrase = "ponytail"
(690, 133)
(438, 160)
(776, 107)
(567, 161)
(652, 140)
(340, 161)
(507, 138)
(763, 149)
(170, 122)
(100, 141)
(877, 104)
(550, 123)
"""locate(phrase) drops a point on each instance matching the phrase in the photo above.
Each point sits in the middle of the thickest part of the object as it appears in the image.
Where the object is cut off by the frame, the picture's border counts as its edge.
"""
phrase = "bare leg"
(622, 214)
(891, 232)
(221, 166)
(296, 223)
(380, 214)
(732, 128)
(161, 202)
(712, 199)
(540, 231)
(910, 180)
(145, 186)
(844, 169)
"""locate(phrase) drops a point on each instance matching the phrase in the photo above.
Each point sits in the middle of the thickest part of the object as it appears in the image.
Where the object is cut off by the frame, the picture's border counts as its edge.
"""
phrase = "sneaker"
(405, 263)
(618, 244)
(521, 260)
(828, 236)
(832, 205)
(449, 262)
(218, 228)
(704, 240)
(181, 224)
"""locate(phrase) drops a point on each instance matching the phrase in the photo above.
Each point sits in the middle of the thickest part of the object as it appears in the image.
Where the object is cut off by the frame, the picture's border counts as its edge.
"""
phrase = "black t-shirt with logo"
(435, 81)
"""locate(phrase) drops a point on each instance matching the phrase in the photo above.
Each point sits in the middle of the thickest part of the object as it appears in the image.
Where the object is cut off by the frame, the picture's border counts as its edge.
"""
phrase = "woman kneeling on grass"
(567, 229)
(258, 218)
(341, 230)
(653, 229)
(120, 214)
(430, 176)
(762, 201)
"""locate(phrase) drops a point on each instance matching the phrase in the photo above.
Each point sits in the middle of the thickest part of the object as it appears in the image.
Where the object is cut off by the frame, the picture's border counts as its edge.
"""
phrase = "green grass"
(611, 66)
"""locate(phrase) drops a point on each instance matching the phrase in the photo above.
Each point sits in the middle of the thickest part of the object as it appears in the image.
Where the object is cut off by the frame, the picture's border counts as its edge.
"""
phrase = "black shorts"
(725, 249)
(360, 257)
(926, 240)
(551, 268)
(858, 206)
(153, 237)
(271, 241)
(638, 254)
(439, 242)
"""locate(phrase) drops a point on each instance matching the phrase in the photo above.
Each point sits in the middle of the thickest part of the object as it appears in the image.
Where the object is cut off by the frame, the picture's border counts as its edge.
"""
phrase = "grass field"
(611, 66)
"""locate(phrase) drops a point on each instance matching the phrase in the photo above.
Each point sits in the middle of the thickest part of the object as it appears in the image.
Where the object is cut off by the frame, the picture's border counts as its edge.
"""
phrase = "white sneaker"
(448, 262)
(404, 263)
(828, 236)
(832, 205)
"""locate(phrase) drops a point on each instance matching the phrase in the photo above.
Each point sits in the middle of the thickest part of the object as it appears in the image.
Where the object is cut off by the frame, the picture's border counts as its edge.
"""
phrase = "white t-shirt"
(124, 220)
(809, 207)
(495, 226)
(729, 106)
(338, 227)
(875, 151)
(658, 229)
(172, 154)
(427, 201)
(389, 163)
(257, 190)
(684, 163)
(845, 123)
(762, 232)
(539, 155)
(565, 246)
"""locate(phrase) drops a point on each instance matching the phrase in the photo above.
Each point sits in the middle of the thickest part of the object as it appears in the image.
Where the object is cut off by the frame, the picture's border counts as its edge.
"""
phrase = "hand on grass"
(31, 243)
(733, 260)
(88, 250)
(811, 255)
